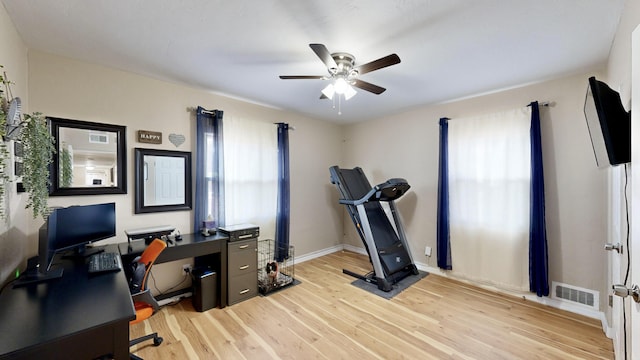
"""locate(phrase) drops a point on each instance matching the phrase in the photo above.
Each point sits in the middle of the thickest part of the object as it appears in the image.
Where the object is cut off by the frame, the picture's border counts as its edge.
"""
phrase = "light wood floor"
(325, 317)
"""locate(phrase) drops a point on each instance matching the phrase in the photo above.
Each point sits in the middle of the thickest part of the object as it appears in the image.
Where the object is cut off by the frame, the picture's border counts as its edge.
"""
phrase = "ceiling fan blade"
(289, 77)
(323, 96)
(324, 55)
(368, 87)
(378, 64)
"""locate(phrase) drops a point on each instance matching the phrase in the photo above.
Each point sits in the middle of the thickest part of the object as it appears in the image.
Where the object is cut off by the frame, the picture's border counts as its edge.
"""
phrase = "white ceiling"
(449, 49)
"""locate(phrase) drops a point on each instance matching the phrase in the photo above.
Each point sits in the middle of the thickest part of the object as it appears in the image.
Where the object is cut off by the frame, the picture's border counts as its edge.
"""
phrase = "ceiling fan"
(344, 73)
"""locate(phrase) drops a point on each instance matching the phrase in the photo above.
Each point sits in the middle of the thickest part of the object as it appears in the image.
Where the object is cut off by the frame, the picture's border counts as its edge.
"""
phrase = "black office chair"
(145, 304)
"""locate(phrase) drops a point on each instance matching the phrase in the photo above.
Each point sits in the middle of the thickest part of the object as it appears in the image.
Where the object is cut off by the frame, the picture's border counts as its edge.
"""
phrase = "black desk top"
(40, 313)
(191, 245)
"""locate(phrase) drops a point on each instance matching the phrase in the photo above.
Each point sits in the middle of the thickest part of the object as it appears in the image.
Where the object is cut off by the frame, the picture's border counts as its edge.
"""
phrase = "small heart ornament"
(176, 139)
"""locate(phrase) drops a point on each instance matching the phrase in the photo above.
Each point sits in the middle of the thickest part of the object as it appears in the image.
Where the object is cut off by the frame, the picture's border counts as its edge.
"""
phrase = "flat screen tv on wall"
(609, 124)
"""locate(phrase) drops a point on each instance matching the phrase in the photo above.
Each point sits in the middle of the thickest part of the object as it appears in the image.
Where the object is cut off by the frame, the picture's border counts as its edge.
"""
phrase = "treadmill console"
(391, 189)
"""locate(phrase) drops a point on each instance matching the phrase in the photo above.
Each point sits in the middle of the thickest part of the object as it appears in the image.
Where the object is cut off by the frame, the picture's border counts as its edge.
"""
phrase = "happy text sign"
(149, 137)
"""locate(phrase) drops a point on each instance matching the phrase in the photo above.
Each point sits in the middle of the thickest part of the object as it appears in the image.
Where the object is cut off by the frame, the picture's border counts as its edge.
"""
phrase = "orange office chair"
(144, 303)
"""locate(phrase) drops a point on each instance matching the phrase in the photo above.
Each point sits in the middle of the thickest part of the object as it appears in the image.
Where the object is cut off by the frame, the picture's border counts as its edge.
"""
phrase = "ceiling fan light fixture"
(349, 92)
(328, 91)
(340, 85)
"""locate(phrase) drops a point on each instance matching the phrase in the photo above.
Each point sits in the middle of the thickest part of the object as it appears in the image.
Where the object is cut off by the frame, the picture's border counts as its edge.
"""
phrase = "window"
(250, 173)
(489, 184)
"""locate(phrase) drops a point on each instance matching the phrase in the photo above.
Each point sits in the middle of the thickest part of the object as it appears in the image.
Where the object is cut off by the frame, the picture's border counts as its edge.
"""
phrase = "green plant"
(38, 151)
(5, 179)
(66, 169)
(38, 147)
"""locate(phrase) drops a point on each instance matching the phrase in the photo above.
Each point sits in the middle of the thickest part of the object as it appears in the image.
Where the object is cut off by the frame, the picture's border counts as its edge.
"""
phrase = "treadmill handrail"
(376, 192)
(356, 202)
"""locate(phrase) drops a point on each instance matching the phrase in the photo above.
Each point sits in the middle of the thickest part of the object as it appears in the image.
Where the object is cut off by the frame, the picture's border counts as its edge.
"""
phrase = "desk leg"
(121, 340)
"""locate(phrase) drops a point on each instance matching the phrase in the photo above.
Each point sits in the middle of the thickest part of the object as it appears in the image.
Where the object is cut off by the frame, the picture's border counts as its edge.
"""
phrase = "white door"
(169, 175)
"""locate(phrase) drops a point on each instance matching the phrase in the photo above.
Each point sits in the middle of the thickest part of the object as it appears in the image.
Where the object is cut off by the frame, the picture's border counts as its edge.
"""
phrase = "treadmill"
(386, 244)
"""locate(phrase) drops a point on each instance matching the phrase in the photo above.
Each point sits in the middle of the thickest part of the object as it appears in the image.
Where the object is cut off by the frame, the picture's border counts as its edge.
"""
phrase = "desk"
(208, 251)
(78, 316)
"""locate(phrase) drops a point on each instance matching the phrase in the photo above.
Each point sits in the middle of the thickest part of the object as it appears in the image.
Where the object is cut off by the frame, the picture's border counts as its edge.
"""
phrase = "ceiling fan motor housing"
(345, 62)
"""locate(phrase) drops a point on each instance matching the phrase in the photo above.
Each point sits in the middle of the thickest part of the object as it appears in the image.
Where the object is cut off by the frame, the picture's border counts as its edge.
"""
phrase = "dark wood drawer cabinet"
(243, 287)
(242, 270)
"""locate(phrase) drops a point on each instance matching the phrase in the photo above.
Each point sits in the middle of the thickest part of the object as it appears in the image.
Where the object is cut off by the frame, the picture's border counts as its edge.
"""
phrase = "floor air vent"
(576, 294)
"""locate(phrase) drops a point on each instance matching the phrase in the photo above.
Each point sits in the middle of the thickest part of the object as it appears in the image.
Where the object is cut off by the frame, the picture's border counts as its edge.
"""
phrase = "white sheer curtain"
(250, 170)
(489, 179)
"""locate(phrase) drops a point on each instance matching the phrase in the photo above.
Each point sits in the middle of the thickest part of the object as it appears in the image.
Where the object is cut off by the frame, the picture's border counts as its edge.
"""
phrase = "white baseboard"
(355, 249)
(317, 254)
(176, 298)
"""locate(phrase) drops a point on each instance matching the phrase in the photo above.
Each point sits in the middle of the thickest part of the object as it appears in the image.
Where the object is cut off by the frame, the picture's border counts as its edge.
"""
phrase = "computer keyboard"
(104, 262)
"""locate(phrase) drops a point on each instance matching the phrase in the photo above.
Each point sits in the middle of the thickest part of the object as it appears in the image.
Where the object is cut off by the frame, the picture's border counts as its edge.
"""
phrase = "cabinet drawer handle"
(244, 291)
(244, 267)
(243, 246)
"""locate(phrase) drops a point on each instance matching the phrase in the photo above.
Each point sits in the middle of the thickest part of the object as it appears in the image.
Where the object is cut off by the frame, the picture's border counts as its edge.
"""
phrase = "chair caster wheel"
(157, 341)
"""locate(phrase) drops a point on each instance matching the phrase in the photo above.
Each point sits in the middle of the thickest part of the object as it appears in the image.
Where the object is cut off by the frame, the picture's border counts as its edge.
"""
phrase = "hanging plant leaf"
(5, 179)
(66, 168)
(38, 150)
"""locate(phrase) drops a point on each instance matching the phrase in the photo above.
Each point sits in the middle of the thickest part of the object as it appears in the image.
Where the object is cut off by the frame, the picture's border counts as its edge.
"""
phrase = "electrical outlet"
(427, 251)
(186, 269)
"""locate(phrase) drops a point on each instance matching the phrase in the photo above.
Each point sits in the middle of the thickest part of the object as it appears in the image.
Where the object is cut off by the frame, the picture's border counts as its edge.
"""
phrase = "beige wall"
(619, 63)
(13, 247)
(71, 89)
(406, 145)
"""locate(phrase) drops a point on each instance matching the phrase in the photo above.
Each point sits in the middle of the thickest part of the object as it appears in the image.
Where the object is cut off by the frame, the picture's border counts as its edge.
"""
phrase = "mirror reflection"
(88, 158)
(163, 180)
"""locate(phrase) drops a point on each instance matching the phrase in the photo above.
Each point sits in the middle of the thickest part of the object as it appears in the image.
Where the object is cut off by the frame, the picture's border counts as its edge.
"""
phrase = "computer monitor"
(46, 237)
(76, 226)
(70, 228)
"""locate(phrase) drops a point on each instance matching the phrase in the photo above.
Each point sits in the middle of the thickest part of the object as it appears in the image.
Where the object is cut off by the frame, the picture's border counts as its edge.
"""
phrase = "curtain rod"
(547, 103)
(290, 127)
(204, 111)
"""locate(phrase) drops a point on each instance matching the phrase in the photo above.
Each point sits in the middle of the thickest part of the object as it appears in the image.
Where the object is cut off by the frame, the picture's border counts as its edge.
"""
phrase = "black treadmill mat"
(396, 289)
